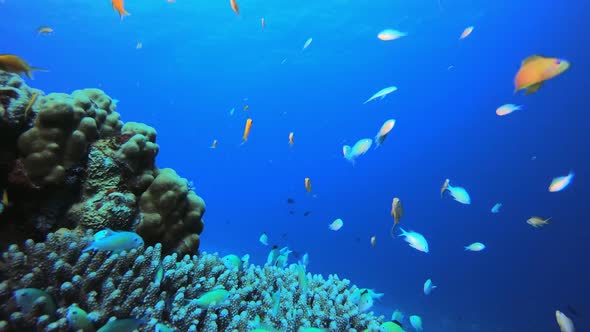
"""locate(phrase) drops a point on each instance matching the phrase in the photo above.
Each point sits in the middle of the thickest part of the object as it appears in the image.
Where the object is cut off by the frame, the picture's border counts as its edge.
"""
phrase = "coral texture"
(128, 285)
(67, 160)
(64, 127)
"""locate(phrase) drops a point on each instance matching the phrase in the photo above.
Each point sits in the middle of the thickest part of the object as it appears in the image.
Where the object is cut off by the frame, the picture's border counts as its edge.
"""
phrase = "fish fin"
(531, 58)
(533, 88)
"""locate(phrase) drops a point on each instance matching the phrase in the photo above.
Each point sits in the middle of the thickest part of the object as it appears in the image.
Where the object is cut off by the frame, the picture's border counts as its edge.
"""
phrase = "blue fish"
(116, 241)
(26, 298)
(122, 325)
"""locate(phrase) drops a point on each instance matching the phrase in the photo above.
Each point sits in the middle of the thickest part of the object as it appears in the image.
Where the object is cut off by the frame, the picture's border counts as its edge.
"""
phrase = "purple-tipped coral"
(141, 284)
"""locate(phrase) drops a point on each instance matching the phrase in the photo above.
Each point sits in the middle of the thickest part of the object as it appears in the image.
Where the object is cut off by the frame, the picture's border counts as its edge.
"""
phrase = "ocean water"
(199, 60)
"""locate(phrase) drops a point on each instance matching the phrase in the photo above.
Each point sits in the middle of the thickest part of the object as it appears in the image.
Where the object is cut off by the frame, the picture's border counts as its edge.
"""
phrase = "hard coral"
(65, 126)
(127, 285)
(138, 148)
(171, 213)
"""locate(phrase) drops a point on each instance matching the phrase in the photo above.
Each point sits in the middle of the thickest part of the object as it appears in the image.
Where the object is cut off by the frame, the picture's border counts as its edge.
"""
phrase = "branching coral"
(127, 285)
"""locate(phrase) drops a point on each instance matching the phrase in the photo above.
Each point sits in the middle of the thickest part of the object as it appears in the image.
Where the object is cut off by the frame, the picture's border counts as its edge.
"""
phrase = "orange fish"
(14, 64)
(234, 6)
(291, 136)
(262, 23)
(397, 212)
(247, 130)
(119, 7)
(308, 185)
(466, 32)
(535, 70)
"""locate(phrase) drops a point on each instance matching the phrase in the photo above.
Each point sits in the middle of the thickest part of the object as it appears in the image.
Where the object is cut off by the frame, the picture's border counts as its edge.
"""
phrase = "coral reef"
(151, 289)
(67, 160)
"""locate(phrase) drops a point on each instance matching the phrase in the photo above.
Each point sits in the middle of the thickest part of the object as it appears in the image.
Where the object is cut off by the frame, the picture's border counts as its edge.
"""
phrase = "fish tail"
(391, 232)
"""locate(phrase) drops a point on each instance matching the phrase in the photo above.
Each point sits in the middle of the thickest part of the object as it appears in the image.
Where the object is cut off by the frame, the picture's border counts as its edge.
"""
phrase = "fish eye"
(558, 61)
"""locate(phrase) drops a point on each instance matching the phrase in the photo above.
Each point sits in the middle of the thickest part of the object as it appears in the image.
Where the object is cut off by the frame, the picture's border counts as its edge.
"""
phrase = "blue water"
(199, 60)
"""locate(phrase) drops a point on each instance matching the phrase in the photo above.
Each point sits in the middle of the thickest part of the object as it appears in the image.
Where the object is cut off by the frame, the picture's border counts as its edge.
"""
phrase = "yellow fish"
(30, 104)
(45, 30)
(308, 185)
(537, 221)
(397, 212)
(214, 144)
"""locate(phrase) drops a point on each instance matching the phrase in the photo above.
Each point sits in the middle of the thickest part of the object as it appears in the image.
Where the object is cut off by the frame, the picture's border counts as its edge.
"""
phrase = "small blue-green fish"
(366, 301)
(356, 294)
(304, 260)
(416, 322)
(78, 319)
(458, 193)
(263, 239)
(213, 298)
(234, 262)
(358, 149)
(397, 316)
(382, 93)
(496, 208)
(26, 298)
(476, 246)
(116, 242)
(336, 224)
(428, 287)
(415, 240)
(102, 234)
(272, 256)
(394, 326)
(159, 275)
(307, 43)
(283, 257)
(302, 278)
(276, 303)
(163, 328)
(122, 325)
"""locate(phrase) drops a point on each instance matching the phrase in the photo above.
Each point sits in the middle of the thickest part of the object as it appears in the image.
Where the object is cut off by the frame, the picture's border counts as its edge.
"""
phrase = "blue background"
(199, 60)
